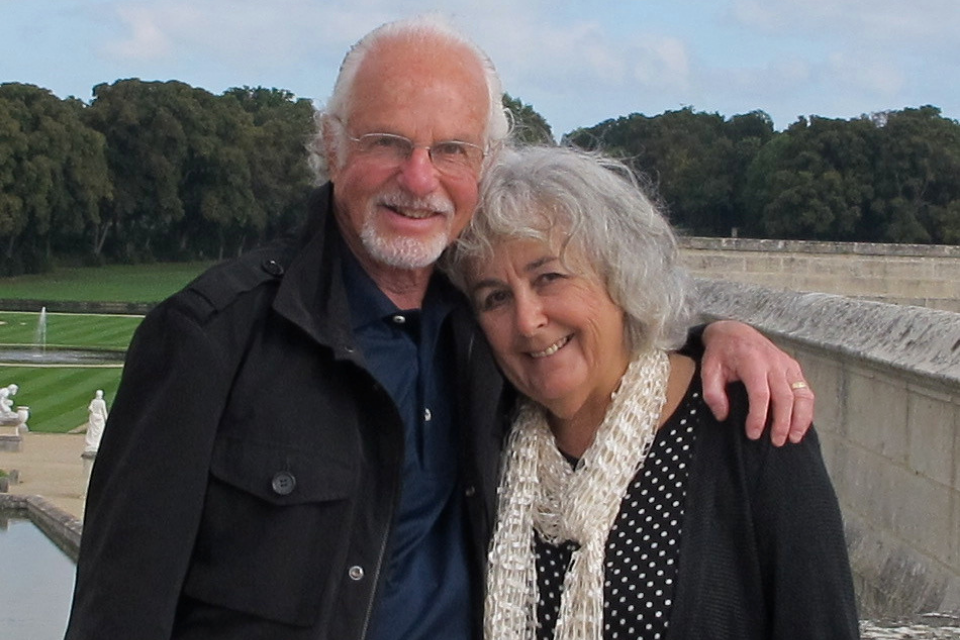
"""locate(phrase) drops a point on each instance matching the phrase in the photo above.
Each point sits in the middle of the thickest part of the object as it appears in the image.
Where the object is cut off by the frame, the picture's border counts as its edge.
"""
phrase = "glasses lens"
(385, 147)
(456, 155)
(452, 156)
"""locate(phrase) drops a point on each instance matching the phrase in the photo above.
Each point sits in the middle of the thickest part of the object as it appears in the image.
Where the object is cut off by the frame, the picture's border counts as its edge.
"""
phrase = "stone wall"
(887, 380)
(60, 527)
(923, 275)
(77, 306)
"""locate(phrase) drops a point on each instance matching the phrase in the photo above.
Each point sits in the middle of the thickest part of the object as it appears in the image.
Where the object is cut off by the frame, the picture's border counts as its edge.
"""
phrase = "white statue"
(6, 401)
(10, 417)
(98, 419)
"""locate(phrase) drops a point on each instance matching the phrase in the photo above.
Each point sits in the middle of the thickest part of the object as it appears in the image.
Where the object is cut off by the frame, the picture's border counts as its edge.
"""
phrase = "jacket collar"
(312, 294)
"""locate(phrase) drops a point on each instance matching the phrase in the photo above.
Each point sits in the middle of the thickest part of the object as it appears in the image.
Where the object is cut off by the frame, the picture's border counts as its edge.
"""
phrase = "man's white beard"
(402, 252)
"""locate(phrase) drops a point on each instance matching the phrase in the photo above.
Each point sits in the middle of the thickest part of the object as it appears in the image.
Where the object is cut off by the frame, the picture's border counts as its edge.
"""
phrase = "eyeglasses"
(452, 157)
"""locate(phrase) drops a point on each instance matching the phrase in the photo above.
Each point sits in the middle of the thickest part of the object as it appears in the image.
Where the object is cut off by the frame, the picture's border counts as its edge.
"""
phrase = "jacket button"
(355, 572)
(283, 483)
(470, 491)
(272, 267)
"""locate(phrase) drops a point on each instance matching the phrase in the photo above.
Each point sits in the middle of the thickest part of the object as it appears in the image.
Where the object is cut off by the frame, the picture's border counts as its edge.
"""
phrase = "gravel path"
(50, 465)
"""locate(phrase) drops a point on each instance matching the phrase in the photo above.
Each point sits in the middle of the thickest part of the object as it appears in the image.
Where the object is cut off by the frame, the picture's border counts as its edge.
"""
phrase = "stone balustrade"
(909, 274)
(887, 380)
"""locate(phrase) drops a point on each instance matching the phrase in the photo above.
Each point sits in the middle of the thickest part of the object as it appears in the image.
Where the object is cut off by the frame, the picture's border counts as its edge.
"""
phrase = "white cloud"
(576, 63)
(250, 32)
(876, 20)
(873, 76)
(145, 38)
(661, 62)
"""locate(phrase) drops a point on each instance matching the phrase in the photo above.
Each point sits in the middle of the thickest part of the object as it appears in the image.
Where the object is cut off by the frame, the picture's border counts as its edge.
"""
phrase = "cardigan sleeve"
(804, 566)
(763, 554)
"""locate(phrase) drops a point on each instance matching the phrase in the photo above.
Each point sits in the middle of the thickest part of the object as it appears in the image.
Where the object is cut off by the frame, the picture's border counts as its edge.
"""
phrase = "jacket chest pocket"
(271, 538)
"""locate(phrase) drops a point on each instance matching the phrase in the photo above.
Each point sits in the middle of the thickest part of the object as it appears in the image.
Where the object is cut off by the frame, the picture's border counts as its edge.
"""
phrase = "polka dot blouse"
(643, 548)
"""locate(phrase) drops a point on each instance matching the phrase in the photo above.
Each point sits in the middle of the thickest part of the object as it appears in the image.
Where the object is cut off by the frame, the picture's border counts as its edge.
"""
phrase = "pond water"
(36, 581)
(33, 355)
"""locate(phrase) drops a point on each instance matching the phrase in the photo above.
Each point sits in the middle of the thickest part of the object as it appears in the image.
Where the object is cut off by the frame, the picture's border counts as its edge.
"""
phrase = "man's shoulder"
(220, 287)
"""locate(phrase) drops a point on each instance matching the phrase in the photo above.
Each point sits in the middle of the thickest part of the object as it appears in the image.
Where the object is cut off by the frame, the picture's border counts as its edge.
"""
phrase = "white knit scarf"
(539, 490)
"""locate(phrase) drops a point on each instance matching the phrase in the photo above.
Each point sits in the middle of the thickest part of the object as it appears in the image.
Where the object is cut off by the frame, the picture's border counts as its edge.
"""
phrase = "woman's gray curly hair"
(425, 28)
(598, 205)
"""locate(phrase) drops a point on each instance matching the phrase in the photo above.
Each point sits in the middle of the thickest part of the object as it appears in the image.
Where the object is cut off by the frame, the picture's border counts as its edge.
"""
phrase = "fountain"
(37, 353)
(40, 338)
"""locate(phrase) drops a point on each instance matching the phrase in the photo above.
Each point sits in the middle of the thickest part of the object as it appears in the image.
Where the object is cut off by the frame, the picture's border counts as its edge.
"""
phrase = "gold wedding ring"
(798, 385)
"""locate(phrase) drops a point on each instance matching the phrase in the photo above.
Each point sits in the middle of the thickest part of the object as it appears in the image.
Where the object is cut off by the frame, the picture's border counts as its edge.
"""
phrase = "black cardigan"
(762, 551)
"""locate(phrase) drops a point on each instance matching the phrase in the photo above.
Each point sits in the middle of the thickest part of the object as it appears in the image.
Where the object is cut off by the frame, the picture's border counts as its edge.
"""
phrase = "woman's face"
(556, 334)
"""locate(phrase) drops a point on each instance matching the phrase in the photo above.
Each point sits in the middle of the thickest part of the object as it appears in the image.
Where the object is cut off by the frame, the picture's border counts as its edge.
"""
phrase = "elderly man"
(330, 470)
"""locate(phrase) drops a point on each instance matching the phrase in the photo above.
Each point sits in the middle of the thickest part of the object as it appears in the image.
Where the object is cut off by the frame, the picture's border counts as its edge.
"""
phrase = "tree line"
(154, 171)
(886, 177)
(147, 171)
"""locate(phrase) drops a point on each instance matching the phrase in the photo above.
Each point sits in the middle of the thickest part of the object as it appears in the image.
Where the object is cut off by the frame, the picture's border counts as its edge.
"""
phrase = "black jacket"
(249, 472)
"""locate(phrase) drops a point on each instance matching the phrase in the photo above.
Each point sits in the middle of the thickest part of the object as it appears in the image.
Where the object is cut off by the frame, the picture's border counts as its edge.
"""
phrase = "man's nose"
(418, 175)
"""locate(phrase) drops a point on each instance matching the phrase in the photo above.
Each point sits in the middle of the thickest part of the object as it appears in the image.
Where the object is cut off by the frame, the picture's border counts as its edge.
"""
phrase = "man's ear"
(330, 146)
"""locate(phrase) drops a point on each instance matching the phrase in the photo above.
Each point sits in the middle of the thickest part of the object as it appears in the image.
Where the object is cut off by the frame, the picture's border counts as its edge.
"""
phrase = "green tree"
(281, 179)
(813, 181)
(53, 176)
(178, 158)
(696, 161)
(529, 127)
(917, 170)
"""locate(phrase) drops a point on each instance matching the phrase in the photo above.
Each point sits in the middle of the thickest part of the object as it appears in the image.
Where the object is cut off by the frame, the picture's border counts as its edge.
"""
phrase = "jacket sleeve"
(147, 486)
(804, 565)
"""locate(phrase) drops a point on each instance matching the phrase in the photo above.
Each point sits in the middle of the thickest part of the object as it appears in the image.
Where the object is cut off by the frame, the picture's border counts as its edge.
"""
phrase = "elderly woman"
(626, 510)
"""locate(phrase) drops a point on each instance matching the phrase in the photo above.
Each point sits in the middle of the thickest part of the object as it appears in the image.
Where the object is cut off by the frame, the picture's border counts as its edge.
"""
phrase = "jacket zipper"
(383, 541)
(376, 578)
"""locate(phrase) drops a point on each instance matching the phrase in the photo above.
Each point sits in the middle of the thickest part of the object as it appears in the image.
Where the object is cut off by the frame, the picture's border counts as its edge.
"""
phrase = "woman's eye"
(551, 276)
(492, 300)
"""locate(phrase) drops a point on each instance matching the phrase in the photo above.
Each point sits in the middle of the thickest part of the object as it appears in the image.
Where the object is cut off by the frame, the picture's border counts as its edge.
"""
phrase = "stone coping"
(77, 306)
(809, 246)
(60, 527)
(923, 341)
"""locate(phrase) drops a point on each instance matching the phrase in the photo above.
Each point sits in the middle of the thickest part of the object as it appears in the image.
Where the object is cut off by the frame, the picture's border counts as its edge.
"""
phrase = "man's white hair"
(426, 28)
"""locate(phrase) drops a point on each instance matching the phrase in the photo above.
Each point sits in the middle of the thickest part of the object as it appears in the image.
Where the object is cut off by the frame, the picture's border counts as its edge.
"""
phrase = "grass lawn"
(113, 283)
(58, 395)
(69, 330)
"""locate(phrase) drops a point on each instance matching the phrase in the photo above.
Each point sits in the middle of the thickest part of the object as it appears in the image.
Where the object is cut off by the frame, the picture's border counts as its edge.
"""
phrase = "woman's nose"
(529, 314)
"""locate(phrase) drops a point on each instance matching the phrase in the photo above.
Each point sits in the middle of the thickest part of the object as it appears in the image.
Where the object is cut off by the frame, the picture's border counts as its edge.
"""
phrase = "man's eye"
(451, 149)
(388, 143)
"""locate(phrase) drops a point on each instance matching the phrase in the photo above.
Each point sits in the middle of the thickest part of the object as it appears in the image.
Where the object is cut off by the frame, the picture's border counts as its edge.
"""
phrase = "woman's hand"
(774, 381)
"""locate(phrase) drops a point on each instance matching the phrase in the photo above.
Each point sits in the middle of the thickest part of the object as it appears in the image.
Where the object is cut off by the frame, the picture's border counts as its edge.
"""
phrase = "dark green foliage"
(695, 160)
(148, 171)
(529, 127)
(889, 177)
(159, 171)
(53, 177)
(199, 175)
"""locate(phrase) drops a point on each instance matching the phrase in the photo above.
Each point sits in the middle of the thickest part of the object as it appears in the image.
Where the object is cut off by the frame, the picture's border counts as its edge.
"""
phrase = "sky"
(577, 62)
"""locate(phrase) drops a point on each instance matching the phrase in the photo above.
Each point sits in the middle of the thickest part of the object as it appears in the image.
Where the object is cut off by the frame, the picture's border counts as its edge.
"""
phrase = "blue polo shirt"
(426, 593)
